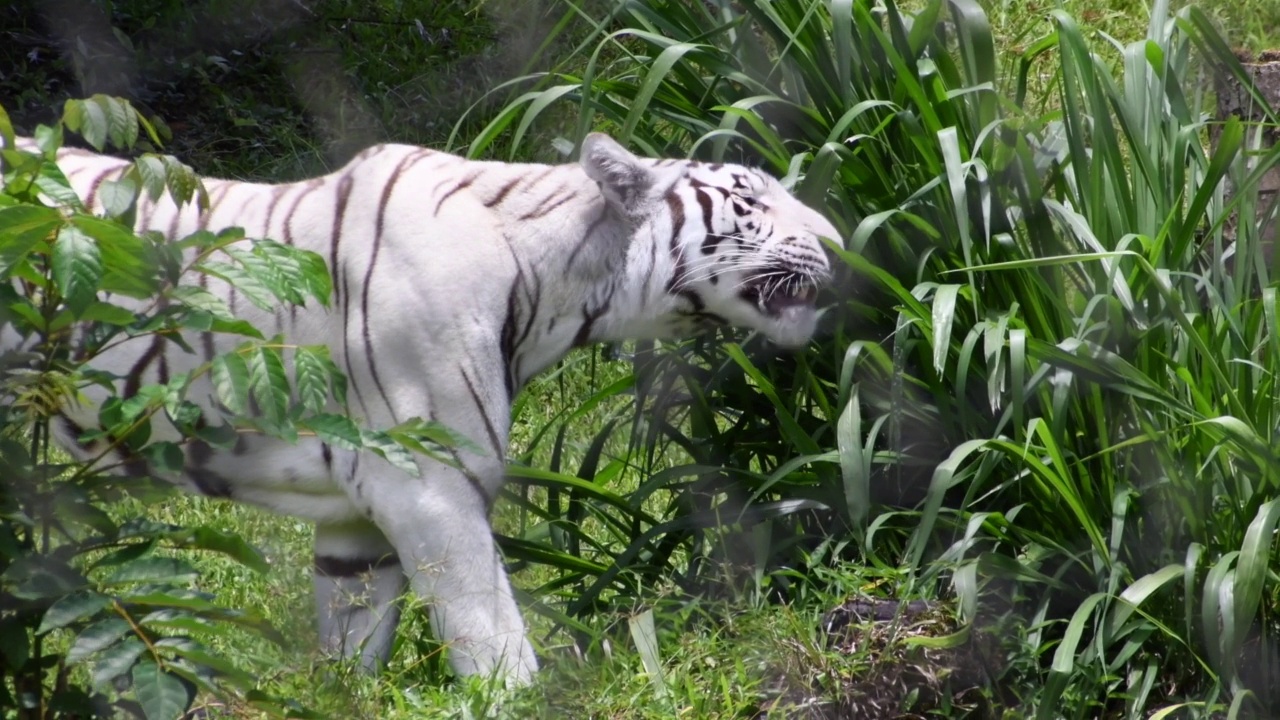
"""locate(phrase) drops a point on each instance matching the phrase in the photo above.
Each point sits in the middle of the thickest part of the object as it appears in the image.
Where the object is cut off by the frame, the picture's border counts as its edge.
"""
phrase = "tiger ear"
(623, 178)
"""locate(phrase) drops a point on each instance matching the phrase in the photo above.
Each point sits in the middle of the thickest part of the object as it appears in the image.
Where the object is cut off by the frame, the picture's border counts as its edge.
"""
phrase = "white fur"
(484, 275)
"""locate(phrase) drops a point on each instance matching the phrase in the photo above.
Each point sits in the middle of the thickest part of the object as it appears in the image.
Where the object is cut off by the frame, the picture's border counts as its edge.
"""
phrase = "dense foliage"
(97, 611)
(78, 588)
(1040, 345)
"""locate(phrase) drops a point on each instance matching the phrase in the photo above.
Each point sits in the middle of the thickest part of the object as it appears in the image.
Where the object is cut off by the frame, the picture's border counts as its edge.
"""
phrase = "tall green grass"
(1039, 355)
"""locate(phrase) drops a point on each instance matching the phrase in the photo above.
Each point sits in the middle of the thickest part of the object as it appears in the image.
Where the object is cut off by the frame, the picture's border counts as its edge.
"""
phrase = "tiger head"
(742, 251)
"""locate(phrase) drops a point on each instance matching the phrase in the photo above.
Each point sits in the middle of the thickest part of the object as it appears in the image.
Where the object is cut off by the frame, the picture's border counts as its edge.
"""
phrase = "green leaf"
(161, 694)
(1064, 656)
(134, 408)
(222, 435)
(198, 298)
(167, 618)
(269, 383)
(118, 197)
(248, 284)
(953, 640)
(1133, 596)
(819, 176)
(36, 577)
(337, 430)
(786, 421)
(229, 544)
(116, 661)
(235, 327)
(151, 171)
(291, 273)
(93, 126)
(436, 433)
(389, 449)
(278, 274)
(315, 276)
(117, 114)
(1252, 570)
(72, 608)
(73, 114)
(77, 267)
(130, 265)
(22, 227)
(97, 637)
(855, 463)
(645, 636)
(184, 413)
(230, 376)
(169, 600)
(128, 552)
(176, 611)
(152, 568)
(24, 310)
(181, 180)
(53, 183)
(944, 314)
(200, 656)
(312, 370)
(285, 707)
(48, 139)
(109, 314)
(656, 71)
(165, 457)
(6, 129)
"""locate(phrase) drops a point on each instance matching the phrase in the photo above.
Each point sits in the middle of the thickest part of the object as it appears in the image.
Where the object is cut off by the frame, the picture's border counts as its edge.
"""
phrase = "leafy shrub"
(98, 614)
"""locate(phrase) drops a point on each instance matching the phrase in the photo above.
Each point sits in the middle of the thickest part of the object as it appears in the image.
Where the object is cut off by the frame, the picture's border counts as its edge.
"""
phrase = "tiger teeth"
(805, 293)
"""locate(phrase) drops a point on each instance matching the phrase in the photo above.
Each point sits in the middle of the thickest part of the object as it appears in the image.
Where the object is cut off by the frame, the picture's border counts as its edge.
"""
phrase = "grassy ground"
(719, 658)
(725, 658)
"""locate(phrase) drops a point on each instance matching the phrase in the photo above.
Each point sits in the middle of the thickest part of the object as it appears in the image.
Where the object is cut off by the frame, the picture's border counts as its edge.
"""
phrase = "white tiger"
(456, 281)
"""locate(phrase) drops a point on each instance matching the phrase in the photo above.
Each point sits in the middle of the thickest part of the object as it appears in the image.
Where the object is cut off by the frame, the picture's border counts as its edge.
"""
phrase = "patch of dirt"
(890, 659)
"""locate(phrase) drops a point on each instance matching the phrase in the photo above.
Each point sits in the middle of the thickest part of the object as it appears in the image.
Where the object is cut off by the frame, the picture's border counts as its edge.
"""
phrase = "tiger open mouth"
(774, 291)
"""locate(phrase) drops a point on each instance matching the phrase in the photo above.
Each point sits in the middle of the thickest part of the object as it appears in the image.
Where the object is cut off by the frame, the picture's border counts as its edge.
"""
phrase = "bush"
(98, 613)
(1037, 347)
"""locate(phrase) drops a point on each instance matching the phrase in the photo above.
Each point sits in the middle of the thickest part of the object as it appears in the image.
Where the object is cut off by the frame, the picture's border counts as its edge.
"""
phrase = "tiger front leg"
(439, 526)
